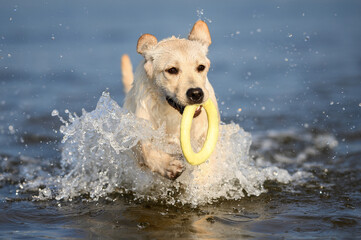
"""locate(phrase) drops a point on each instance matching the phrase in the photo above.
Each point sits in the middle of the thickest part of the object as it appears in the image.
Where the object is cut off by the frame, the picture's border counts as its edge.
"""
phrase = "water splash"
(200, 15)
(97, 160)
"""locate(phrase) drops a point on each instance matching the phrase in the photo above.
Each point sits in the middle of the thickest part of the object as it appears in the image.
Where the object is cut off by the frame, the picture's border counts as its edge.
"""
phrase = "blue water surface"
(276, 67)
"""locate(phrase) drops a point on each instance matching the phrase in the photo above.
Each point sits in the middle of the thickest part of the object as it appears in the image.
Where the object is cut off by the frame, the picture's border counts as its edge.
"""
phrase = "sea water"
(287, 72)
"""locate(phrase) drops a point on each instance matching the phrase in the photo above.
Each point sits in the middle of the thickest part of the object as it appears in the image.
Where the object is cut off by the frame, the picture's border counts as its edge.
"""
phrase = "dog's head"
(178, 67)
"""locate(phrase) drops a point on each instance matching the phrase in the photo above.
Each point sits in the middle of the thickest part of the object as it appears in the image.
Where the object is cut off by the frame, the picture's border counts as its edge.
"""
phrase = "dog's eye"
(201, 68)
(172, 70)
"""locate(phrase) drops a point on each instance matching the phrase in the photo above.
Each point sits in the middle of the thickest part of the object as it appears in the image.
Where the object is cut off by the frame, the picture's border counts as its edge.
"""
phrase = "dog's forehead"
(180, 49)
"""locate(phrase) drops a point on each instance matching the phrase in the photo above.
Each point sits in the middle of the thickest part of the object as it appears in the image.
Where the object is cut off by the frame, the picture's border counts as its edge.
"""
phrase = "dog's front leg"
(163, 163)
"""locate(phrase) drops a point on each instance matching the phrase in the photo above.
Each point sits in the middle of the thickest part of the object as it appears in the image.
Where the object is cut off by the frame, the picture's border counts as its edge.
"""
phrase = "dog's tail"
(127, 72)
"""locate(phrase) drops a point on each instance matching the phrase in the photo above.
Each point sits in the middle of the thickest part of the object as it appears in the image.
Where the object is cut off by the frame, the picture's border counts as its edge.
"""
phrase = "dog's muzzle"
(180, 108)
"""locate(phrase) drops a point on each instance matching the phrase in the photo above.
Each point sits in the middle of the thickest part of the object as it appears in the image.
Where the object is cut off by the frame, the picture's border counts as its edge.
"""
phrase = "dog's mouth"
(180, 108)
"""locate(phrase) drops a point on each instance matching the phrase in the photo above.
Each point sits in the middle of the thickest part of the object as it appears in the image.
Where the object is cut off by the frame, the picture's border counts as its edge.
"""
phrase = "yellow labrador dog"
(172, 75)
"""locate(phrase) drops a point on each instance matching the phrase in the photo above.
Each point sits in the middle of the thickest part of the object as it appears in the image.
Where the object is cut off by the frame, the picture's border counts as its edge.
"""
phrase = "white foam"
(97, 160)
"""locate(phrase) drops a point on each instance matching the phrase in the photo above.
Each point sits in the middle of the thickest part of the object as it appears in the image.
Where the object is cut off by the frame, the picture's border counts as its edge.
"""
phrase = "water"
(287, 77)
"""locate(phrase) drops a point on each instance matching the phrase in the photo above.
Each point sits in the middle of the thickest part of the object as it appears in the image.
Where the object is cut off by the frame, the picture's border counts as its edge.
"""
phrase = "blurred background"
(276, 66)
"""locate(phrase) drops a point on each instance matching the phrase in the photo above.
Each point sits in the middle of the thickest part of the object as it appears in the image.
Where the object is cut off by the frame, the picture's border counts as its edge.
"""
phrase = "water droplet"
(331, 103)
(11, 129)
(259, 30)
(55, 113)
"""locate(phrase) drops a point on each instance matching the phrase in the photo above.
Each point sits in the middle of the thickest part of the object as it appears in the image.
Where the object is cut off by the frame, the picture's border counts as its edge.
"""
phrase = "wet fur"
(146, 95)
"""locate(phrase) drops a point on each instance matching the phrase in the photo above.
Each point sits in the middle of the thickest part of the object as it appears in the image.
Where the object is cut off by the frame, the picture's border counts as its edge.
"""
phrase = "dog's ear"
(145, 43)
(200, 32)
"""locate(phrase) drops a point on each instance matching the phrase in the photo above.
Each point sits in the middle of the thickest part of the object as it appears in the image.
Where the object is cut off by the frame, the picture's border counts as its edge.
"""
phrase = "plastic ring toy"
(212, 133)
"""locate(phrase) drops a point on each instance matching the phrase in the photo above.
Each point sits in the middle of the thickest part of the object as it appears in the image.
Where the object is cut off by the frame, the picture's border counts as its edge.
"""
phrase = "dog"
(172, 75)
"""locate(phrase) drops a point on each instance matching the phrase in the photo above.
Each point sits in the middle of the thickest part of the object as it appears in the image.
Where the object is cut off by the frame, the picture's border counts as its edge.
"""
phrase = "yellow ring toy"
(212, 133)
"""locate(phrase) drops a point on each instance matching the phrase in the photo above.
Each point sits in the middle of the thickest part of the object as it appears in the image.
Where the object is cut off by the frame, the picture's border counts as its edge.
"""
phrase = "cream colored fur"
(146, 96)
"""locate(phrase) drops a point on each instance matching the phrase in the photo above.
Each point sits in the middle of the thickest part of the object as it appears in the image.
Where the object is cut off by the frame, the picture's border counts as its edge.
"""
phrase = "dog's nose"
(195, 95)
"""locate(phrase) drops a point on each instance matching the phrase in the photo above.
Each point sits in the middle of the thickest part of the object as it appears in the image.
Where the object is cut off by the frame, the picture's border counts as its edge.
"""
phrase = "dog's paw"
(174, 169)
